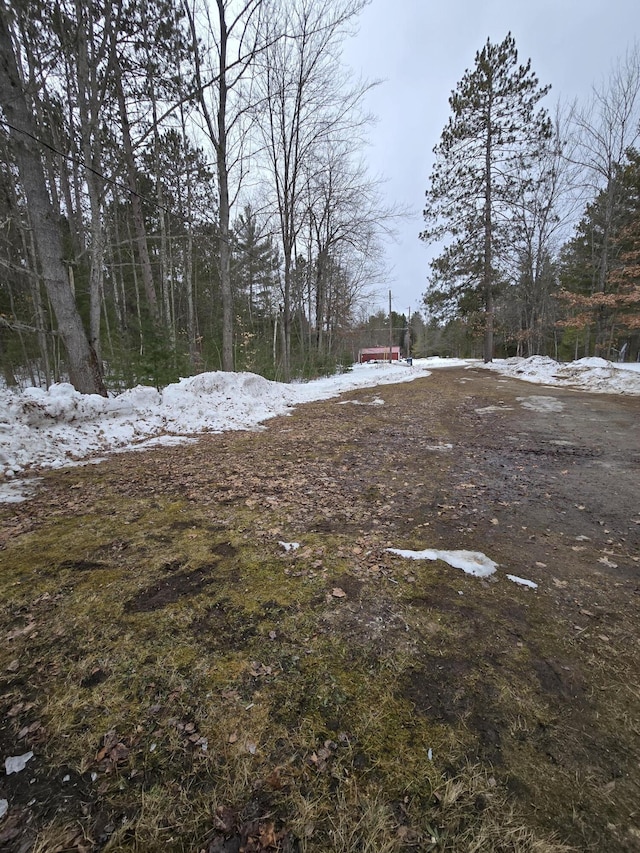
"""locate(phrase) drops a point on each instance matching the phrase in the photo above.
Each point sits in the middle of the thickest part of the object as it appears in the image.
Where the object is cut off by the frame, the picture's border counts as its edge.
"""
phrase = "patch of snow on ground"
(523, 581)
(435, 361)
(289, 546)
(16, 491)
(17, 763)
(157, 441)
(472, 562)
(377, 401)
(489, 410)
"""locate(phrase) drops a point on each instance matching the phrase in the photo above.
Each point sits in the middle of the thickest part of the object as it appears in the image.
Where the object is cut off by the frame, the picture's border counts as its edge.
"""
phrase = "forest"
(183, 188)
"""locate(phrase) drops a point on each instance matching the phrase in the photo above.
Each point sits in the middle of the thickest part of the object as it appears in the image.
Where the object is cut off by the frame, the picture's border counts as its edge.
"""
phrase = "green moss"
(164, 625)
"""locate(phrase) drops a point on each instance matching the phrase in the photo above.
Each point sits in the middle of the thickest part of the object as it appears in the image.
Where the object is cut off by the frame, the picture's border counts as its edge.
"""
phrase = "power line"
(80, 162)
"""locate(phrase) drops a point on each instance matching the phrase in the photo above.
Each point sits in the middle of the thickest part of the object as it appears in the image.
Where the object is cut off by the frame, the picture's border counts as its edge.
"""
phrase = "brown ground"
(539, 688)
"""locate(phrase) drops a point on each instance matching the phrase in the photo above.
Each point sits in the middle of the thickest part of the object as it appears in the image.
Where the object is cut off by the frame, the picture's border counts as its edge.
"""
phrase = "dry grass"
(260, 693)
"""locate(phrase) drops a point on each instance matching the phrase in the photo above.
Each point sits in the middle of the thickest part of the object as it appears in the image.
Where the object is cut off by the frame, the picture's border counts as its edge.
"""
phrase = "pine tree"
(254, 266)
(613, 308)
(483, 163)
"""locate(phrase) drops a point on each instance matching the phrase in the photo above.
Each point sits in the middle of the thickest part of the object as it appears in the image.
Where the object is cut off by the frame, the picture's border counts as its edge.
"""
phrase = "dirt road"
(546, 482)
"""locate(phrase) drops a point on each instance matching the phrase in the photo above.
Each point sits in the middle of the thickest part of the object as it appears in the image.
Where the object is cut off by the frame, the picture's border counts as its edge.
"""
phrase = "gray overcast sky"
(421, 50)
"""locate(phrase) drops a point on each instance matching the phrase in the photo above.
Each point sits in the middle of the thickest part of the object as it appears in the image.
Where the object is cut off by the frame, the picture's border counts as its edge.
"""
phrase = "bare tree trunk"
(219, 135)
(91, 151)
(29, 252)
(320, 297)
(188, 256)
(165, 264)
(84, 370)
(138, 303)
(25, 356)
(223, 199)
(488, 237)
(136, 207)
(36, 295)
(73, 215)
(286, 316)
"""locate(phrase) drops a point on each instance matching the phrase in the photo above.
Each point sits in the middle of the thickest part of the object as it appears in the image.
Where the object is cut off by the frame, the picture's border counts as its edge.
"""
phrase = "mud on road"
(539, 687)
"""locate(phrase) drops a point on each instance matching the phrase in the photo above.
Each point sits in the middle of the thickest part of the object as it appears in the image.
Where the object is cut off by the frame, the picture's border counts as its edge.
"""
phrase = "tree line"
(182, 188)
(508, 185)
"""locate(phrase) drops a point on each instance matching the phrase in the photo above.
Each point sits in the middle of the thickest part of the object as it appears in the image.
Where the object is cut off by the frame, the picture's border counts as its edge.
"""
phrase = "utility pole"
(390, 331)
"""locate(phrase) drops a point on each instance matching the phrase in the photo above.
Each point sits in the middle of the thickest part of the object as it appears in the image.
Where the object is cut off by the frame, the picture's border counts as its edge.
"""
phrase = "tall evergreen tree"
(611, 309)
(483, 163)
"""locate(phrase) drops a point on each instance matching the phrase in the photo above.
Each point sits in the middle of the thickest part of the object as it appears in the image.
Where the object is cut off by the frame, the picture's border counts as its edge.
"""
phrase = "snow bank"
(588, 374)
(59, 426)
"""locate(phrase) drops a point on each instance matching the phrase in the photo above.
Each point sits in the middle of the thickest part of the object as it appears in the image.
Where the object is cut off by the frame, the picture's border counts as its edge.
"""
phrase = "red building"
(378, 354)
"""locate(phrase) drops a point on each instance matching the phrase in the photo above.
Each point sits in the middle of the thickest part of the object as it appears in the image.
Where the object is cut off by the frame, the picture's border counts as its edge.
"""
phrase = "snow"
(523, 581)
(17, 763)
(589, 374)
(375, 402)
(471, 562)
(289, 546)
(59, 427)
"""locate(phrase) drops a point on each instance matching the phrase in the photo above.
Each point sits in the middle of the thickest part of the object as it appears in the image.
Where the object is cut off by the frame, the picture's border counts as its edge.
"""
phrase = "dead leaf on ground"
(120, 752)
(29, 730)
(113, 751)
(22, 632)
(258, 669)
(224, 819)
(268, 837)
